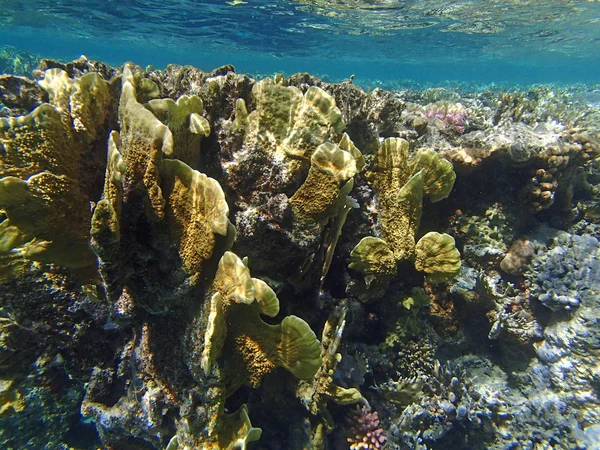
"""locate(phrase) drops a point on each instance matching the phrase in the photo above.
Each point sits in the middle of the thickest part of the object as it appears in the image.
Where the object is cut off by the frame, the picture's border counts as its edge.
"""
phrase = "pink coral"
(365, 432)
(452, 115)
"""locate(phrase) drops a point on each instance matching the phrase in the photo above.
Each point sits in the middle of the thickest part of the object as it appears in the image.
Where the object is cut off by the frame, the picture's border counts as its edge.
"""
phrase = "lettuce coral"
(250, 347)
(400, 182)
(330, 167)
(41, 193)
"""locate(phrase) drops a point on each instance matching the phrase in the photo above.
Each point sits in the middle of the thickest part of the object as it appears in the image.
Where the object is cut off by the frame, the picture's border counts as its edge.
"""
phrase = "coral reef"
(135, 204)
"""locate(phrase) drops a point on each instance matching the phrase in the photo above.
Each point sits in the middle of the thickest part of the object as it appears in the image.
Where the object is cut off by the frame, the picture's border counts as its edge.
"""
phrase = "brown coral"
(400, 181)
(539, 192)
(250, 347)
(316, 199)
(42, 193)
(517, 256)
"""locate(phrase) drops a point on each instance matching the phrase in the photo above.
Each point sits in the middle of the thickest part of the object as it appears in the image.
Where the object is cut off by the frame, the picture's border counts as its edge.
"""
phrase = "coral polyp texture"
(193, 260)
(366, 434)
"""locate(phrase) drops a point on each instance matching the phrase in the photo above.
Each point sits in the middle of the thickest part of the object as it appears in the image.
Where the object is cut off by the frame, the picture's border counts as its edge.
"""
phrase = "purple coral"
(365, 432)
(453, 116)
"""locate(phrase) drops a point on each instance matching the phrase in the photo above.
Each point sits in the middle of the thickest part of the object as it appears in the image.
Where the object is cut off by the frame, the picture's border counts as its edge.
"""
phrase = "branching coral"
(293, 170)
(315, 393)
(192, 205)
(452, 115)
(179, 322)
(290, 123)
(185, 122)
(330, 167)
(196, 213)
(236, 432)
(365, 431)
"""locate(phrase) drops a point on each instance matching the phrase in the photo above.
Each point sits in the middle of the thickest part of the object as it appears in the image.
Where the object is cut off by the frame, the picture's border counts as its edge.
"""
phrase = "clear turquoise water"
(479, 41)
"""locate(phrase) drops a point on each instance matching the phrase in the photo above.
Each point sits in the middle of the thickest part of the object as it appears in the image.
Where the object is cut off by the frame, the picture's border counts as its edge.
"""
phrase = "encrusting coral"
(517, 256)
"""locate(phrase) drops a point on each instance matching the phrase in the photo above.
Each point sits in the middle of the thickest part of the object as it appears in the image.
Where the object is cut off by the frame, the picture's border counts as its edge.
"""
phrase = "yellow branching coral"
(37, 142)
(11, 400)
(192, 205)
(324, 196)
(115, 172)
(240, 122)
(185, 122)
(235, 431)
(372, 256)
(144, 141)
(36, 208)
(400, 182)
(400, 194)
(252, 348)
(316, 199)
(345, 203)
(233, 281)
(315, 393)
(298, 348)
(105, 227)
(438, 174)
(266, 298)
(83, 101)
(347, 144)
(214, 336)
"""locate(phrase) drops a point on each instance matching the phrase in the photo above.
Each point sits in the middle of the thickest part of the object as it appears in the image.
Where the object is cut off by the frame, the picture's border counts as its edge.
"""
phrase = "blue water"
(478, 41)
